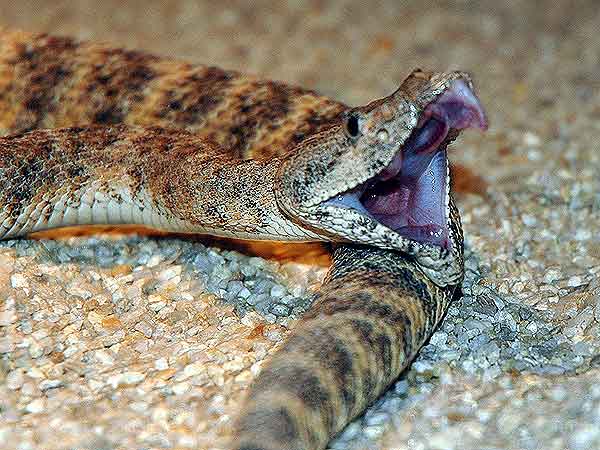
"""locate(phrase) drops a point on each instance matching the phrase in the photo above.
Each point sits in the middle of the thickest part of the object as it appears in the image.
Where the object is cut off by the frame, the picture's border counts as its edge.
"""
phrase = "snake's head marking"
(379, 175)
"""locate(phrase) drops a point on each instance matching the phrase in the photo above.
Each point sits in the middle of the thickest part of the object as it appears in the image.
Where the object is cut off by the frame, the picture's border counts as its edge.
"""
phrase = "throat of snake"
(410, 196)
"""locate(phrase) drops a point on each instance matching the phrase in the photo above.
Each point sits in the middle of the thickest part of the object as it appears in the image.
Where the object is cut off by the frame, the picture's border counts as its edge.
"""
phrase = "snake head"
(379, 175)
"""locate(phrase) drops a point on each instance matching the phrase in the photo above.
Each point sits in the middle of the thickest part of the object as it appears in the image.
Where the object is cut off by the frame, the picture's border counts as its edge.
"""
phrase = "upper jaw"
(410, 195)
(457, 106)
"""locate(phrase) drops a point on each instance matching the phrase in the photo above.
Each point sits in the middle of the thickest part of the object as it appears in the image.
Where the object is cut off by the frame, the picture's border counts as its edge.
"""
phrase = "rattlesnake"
(98, 135)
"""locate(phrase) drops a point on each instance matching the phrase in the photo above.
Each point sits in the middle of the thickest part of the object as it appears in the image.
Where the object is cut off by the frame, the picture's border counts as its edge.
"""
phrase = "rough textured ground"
(145, 342)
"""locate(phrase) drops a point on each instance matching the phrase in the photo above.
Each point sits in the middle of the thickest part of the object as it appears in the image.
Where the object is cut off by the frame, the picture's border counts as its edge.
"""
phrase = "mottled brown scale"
(355, 350)
(376, 307)
(49, 82)
(194, 95)
(37, 164)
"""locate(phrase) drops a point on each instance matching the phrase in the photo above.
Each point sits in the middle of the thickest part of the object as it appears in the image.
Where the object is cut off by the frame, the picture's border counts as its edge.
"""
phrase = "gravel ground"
(149, 342)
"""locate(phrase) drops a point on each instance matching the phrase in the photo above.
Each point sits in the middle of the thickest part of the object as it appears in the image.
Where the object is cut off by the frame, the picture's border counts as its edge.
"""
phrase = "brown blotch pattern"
(116, 81)
(359, 335)
(42, 69)
(58, 82)
(194, 95)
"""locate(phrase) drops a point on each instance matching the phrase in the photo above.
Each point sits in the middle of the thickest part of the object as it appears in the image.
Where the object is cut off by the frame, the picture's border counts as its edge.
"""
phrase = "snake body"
(102, 135)
(369, 319)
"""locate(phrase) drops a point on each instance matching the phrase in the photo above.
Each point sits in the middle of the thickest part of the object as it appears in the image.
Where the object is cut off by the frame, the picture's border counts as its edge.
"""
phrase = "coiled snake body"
(96, 135)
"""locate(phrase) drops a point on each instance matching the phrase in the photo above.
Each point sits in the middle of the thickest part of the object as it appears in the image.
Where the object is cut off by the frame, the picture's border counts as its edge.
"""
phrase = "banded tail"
(370, 318)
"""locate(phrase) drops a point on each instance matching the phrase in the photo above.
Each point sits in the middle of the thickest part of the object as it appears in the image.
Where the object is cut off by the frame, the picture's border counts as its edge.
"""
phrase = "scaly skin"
(117, 175)
(375, 309)
(370, 318)
(53, 82)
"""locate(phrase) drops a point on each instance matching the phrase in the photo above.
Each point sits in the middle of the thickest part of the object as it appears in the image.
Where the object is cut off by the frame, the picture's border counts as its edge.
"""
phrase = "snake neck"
(163, 179)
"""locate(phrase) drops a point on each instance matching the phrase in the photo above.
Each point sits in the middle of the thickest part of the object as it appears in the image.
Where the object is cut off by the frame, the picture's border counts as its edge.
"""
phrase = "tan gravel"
(125, 342)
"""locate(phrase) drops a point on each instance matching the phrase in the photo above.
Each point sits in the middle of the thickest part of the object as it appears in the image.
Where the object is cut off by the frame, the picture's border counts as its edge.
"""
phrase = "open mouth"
(410, 195)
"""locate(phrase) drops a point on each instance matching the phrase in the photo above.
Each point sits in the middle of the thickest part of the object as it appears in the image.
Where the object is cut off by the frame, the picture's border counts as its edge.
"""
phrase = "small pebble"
(15, 379)
(36, 406)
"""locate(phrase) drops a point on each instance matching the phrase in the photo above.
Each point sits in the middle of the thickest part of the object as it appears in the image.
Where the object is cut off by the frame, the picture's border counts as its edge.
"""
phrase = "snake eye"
(352, 127)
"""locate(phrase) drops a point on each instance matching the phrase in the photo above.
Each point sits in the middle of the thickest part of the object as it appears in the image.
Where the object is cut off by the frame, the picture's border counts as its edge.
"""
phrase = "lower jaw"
(415, 208)
(421, 216)
(430, 234)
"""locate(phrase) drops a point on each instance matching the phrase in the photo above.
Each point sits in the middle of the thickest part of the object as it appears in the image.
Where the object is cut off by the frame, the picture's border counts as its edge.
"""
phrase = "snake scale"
(98, 135)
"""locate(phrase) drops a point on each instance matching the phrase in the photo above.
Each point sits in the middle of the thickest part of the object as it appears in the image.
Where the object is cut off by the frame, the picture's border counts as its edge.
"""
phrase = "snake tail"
(369, 319)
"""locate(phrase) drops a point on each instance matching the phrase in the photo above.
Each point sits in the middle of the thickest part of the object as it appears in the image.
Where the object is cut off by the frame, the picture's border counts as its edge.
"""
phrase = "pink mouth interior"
(409, 196)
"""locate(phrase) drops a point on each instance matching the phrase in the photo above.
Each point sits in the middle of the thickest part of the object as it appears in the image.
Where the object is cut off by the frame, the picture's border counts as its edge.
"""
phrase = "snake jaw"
(410, 195)
(379, 174)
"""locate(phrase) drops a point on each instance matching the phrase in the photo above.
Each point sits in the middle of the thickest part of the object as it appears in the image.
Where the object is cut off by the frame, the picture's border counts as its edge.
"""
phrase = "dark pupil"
(352, 126)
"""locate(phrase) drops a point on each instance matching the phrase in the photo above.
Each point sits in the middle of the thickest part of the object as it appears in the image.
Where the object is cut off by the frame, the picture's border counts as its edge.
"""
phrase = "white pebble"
(36, 350)
(181, 388)
(70, 351)
(169, 273)
(133, 377)
(19, 281)
(193, 369)
(15, 379)
(277, 291)
(153, 261)
(104, 357)
(50, 384)
(161, 364)
(36, 406)
(36, 373)
(551, 275)
(7, 317)
(575, 281)
(529, 220)
(583, 235)
(531, 139)
(125, 379)
(439, 338)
